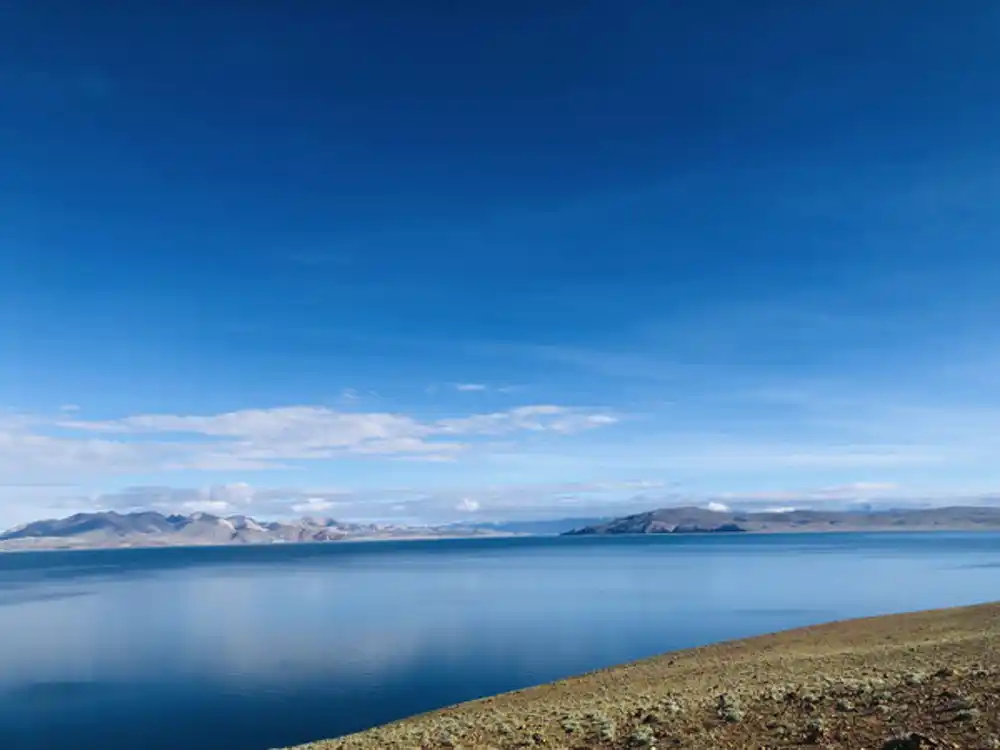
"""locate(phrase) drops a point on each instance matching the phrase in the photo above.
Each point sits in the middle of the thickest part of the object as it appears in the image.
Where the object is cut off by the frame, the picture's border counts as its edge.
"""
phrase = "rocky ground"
(902, 682)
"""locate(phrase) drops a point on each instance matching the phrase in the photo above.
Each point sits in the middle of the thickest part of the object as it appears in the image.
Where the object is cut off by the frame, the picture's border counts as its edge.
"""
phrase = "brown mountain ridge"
(701, 520)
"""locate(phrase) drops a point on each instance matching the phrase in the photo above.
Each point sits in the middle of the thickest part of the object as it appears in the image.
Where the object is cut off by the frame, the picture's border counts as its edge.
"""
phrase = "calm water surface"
(257, 647)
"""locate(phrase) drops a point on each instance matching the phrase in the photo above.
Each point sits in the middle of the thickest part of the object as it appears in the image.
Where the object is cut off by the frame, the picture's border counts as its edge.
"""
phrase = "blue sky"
(434, 261)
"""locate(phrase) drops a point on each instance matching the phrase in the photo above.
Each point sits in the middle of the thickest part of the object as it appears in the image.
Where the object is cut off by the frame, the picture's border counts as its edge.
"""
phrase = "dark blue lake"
(257, 647)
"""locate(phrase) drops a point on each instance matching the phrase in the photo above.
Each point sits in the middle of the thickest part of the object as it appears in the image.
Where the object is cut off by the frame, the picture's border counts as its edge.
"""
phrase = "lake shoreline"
(510, 535)
(254, 545)
(927, 678)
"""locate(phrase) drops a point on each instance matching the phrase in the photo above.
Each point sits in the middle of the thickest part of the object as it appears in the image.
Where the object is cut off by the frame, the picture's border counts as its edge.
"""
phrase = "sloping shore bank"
(927, 679)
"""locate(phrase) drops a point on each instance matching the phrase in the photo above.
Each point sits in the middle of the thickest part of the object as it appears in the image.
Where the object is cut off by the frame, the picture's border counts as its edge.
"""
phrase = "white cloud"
(855, 487)
(237, 493)
(852, 491)
(721, 457)
(206, 506)
(293, 425)
(716, 507)
(470, 387)
(467, 505)
(253, 439)
(313, 426)
(313, 505)
(26, 455)
(537, 418)
(223, 499)
(227, 499)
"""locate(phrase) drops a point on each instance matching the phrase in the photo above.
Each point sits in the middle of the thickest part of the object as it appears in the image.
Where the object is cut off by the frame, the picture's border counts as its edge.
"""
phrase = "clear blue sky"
(428, 260)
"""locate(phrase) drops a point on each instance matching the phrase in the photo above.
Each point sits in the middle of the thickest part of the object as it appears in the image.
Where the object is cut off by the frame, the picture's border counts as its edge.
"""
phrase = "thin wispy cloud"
(257, 439)
(859, 491)
(482, 388)
(470, 387)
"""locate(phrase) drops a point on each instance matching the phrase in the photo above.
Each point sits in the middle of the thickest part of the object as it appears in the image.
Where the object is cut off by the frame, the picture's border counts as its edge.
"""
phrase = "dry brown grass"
(929, 679)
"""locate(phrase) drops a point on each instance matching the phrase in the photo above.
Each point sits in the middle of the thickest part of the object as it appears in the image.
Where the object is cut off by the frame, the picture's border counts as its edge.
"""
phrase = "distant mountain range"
(151, 529)
(691, 520)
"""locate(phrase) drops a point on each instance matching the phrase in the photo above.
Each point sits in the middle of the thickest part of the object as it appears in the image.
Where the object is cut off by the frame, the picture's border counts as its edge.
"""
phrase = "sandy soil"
(901, 682)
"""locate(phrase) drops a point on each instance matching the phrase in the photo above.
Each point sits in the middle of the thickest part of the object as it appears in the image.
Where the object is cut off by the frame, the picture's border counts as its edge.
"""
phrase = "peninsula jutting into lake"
(688, 520)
